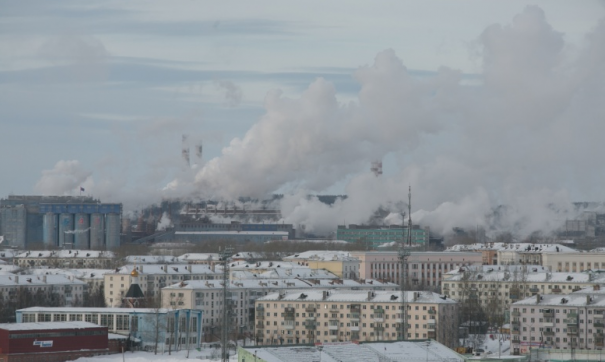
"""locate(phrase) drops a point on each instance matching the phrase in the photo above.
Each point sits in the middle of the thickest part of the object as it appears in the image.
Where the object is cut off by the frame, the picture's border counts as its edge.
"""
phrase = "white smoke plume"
(65, 178)
(520, 138)
(164, 223)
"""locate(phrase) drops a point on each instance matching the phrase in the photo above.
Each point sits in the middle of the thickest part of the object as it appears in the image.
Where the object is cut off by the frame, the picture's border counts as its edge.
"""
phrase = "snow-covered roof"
(283, 283)
(267, 265)
(8, 253)
(379, 296)
(529, 277)
(152, 259)
(46, 325)
(77, 273)
(166, 269)
(8, 269)
(520, 247)
(248, 255)
(90, 254)
(218, 232)
(92, 310)
(365, 352)
(198, 257)
(568, 300)
(491, 268)
(322, 255)
(14, 280)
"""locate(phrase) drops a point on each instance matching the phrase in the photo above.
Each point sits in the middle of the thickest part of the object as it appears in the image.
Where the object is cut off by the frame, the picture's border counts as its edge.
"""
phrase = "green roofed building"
(375, 235)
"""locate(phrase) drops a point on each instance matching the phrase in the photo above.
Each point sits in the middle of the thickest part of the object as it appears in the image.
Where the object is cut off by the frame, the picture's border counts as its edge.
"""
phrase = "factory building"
(374, 235)
(60, 221)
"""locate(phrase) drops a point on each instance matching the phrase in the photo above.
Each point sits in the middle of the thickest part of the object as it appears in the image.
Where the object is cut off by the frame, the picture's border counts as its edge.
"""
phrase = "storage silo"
(97, 232)
(112, 231)
(66, 230)
(50, 229)
(81, 235)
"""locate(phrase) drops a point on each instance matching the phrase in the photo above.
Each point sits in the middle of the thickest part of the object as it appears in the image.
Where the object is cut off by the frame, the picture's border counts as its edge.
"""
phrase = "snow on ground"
(490, 343)
(205, 355)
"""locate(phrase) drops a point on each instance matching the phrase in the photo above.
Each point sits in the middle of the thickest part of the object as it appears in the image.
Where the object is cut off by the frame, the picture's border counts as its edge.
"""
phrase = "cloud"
(233, 92)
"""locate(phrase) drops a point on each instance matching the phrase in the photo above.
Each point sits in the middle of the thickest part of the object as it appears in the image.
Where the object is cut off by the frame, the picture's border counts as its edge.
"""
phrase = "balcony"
(598, 342)
(549, 333)
(310, 327)
(572, 331)
(515, 323)
(548, 324)
(598, 314)
(548, 313)
(432, 334)
(260, 316)
(354, 328)
(355, 316)
(515, 331)
(430, 327)
(288, 326)
(355, 308)
(598, 324)
(260, 308)
(432, 312)
(379, 329)
(515, 313)
(572, 315)
(378, 311)
(378, 318)
(333, 327)
(260, 326)
(310, 309)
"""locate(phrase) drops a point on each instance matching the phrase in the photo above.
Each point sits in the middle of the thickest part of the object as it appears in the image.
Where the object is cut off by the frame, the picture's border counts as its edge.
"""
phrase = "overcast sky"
(473, 103)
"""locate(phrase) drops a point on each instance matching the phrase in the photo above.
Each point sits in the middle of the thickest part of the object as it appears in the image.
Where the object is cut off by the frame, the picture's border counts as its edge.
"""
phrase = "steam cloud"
(525, 133)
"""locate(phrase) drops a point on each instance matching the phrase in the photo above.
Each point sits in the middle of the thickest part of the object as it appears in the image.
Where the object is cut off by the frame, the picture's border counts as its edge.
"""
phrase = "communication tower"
(404, 254)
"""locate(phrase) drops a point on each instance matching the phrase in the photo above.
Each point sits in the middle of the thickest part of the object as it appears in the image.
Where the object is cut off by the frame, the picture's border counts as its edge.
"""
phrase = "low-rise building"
(152, 278)
(145, 324)
(526, 253)
(559, 322)
(500, 286)
(208, 297)
(51, 342)
(576, 262)
(341, 263)
(65, 259)
(58, 288)
(314, 316)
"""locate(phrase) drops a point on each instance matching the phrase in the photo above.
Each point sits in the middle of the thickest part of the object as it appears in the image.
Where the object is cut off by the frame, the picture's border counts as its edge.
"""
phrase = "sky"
(473, 104)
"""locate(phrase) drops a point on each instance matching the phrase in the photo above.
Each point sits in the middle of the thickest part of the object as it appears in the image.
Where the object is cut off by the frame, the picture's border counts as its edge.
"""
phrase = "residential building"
(500, 286)
(152, 278)
(559, 322)
(66, 290)
(341, 263)
(144, 324)
(208, 297)
(314, 316)
(526, 253)
(423, 268)
(578, 262)
(374, 235)
(65, 259)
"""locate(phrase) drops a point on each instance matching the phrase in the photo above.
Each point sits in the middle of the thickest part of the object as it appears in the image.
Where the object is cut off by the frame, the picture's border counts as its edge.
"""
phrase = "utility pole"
(224, 257)
(403, 257)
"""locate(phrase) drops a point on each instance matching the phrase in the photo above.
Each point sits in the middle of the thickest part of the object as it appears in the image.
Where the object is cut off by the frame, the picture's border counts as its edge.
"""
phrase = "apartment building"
(68, 289)
(578, 262)
(423, 268)
(316, 316)
(65, 259)
(93, 277)
(208, 297)
(504, 285)
(152, 278)
(525, 253)
(341, 263)
(574, 322)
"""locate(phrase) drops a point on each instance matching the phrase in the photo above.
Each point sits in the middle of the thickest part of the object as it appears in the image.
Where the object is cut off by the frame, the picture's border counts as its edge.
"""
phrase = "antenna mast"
(403, 257)
(225, 255)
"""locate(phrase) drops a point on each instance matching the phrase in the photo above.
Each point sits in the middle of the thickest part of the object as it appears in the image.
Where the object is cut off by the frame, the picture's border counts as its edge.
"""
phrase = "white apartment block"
(525, 253)
(69, 289)
(423, 268)
(558, 322)
(577, 262)
(152, 278)
(93, 277)
(315, 316)
(208, 297)
(493, 284)
(65, 259)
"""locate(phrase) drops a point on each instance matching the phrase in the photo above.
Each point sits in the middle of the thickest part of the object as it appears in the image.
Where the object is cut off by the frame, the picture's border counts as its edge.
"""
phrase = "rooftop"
(569, 300)
(379, 296)
(322, 255)
(520, 247)
(91, 254)
(46, 325)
